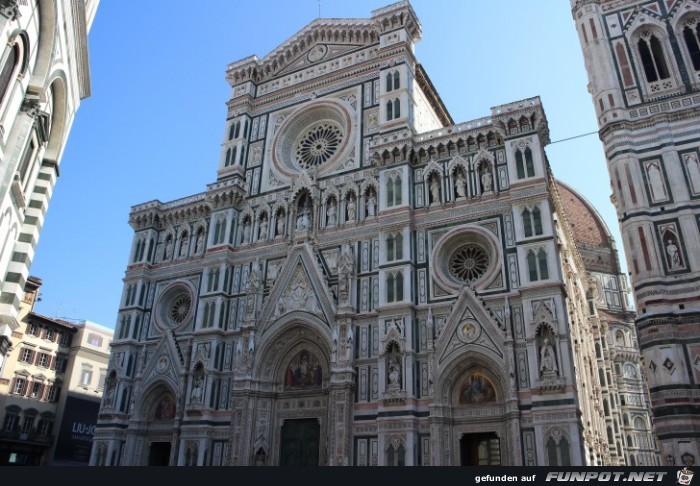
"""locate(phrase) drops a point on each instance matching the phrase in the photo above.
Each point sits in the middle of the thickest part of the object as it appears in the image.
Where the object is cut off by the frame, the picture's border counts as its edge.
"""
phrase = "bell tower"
(643, 64)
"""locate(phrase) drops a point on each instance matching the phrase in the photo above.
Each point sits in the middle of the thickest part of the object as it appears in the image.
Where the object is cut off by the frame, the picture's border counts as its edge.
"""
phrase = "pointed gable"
(299, 287)
(163, 364)
(469, 324)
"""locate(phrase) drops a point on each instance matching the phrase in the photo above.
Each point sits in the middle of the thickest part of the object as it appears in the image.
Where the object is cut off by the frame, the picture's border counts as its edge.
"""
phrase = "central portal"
(480, 450)
(300, 442)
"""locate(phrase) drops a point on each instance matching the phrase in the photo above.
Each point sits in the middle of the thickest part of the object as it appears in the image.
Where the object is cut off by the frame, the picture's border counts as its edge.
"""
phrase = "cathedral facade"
(369, 283)
(643, 62)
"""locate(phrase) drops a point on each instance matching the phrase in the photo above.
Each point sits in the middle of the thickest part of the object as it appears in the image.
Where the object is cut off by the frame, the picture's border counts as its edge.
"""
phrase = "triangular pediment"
(299, 287)
(469, 325)
(319, 53)
(163, 363)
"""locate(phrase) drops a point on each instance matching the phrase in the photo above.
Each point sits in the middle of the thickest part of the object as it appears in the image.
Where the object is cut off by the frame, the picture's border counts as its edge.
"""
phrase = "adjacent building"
(44, 74)
(643, 63)
(367, 282)
(50, 387)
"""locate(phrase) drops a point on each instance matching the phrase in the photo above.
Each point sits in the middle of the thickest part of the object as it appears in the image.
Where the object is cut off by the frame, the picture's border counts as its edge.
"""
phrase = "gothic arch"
(153, 404)
(59, 116)
(469, 361)
(47, 38)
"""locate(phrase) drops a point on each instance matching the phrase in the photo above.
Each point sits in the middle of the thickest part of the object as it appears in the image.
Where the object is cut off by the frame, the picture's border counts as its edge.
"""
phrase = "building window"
(393, 81)
(32, 329)
(394, 287)
(524, 164)
(49, 336)
(45, 427)
(27, 424)
(537, 265)
(36, 390)
(393, 109)
(66, 339)
(125, 327)
(11, 421)
(692, 42)
(394, 247)
(9, 69)
(393, 190)
(43, 360)
(54, 393)
(95, 340)
(558, 452)
(532, 222)
(396, 455)
(27, 355)
(20, 384)
(86, 377)
(653, 59)
(60, 364)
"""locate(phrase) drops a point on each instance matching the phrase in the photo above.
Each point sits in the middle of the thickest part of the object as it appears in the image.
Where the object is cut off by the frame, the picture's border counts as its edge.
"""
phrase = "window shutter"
(27, 388)
(12, 385)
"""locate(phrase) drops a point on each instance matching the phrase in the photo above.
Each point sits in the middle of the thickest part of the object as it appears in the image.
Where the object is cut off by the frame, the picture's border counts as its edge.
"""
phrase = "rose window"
(468, 263)
(318, 145)
(180, 308)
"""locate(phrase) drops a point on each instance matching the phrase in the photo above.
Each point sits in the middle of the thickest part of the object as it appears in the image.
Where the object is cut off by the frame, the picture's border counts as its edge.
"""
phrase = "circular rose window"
(468, 263)
(318, 144)
(318, 136)
(468, 255)
(174, 306)
(180, 308)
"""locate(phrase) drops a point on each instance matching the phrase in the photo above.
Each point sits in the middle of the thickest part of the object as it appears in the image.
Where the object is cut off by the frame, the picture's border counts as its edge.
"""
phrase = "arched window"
(389, 110)
(397, 108)
(396, 455)
(231, 131)
(393, 190)
(691, 34)
(653, 60)
(9, 70)
(527, 223)
(529, 166)
(542, 260)
(397, 83)
(389, 82)
(537, 221)
(558, 452)
(519, 166)
(394, 247)
(238, 129)
(532, 266)
(394, 287)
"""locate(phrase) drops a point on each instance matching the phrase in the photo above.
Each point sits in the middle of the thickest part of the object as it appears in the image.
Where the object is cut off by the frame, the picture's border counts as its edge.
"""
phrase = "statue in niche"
(262, 230)
(461, 184)
(486, 179)
(246, 231)
(184, 244)
(168, 253)
(303, 219)
(197, 394)
(331, 213)
(674, 257)
(260, 457)
(280, 223)
(351, 207)
(394, 372)
(548, 360)
(434, 189)
(345, 268)
(371, 205)
(199, 243)
(110, 389)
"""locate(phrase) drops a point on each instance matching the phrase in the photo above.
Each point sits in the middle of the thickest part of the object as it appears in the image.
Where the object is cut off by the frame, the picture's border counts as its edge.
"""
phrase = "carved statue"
(394, 372)
(548, 361)
(330, 213)
(351, 208)
(487, 180)
(673, 255)
(461, 185)
(371, 205)
(280, 224)
(246, 231)
(262, 230)
(435, 189)
(168, 253)
(197, 394)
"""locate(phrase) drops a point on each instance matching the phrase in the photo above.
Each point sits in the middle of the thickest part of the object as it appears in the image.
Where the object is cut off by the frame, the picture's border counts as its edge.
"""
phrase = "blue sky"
(153, 126)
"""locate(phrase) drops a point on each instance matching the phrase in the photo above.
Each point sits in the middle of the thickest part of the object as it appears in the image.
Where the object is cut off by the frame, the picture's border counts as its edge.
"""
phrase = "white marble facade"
(379, 286)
